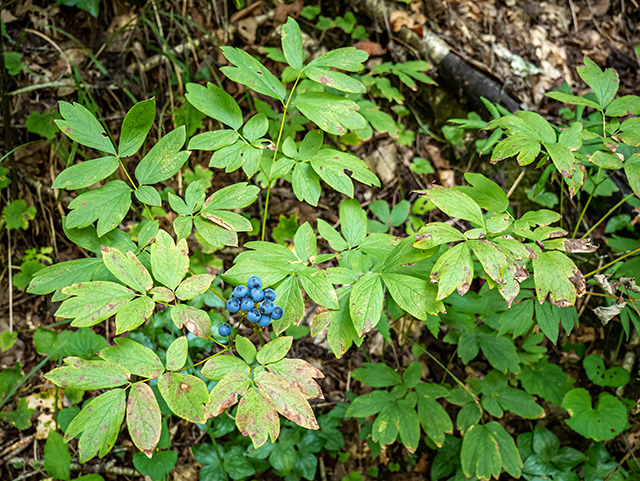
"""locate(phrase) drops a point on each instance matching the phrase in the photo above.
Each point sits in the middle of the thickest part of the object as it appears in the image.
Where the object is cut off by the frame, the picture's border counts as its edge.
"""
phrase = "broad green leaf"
(520, 403)
(213, 140)
(492, 259)
(255, 127)
(386, 426)
(623, 106)
(127, 268)
(291, 403)
(353, 222)
(435, 234)
(292, 44)
(368, 404)
(134, 357)
(162, 294)
(236, 196)
(169, 262)
(193, 286)
(185, 395)
(84, 375)
(274, 350)
(216, 103)
(219, 366)
(509, 455)
(525, 148)
(257, 417)
(157, 467)
(134, 314)
(143, 418)
(604, 84)
(93, 302)
(306, 183)
(571, 137)
(455, 204)
(214, 233)
(555, 274)
(480, 454)
(63, 274)
(537, 123)
(305, 243)
(177, 354)
(518, 319)
(434, 419)
(99, 422)
(332, 113)
(57, 458)
(604, 422)
(299, 374)
(414, 295)
(148, 195)
(632, 171)
(597, 374)
(248, 71)
(332, 236)
(341, 333)
(225, 393)
(336, 80)
(546, 380)
(330, 165)
(318, 287)
(246, 349)
(86, 173)
(289, 298)
(80, 125)
(365, 302)
(347, 58)
(630, 132)
(164, 159)
(499, 351)
(547, 321)
(562, 158)
(485, 192)
(136, 126)
(376, 375)
(107, 204)
(573, 100)
(453, 271)
(408, 425)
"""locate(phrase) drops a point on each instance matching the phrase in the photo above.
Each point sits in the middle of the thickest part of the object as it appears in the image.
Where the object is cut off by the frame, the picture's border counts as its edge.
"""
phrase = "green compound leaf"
(136, 126)
(248, 71)
(332, 113)
(292, 44)
(597, 374)
(555, 274)
(185, 395)
(134, 314)
(99, 422)
(347, 58)
(127, 268)
(144, 420)
(606, 421)
(298, 373)
(453, 271)
(330, 165)
(217, 104)
(275, 350)
(487, 450)
(134, 357)
(376, 375)
(455, 204)
(57, 458)
(365, 302)
(164, 159)
(177, 354)
(85, 375)
(108, 205)
(86, 173)
(257, 417)
(80, 125)
(169, 262)
(93, 302)
(546, 380)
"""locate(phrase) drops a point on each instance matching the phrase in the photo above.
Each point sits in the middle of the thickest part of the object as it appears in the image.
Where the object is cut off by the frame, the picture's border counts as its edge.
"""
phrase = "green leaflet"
(57, 458)
(414, 295)
(275, 350)
(604, 422)
(169, 262)
(453, 271)
(330, 112)
(341, 333)
(297, 373)
(136, 126)
(164, 159)
(86, 173)
(376, 375)
(81, 374)
(306, 183)
(596, 372)
(134, 357)
(330, 164)
(193, 286)
(604, 84)
(257, 417)
(99, 422)
(63, 274)
(134, 314)
(365, 302)
(185, 395)
(93, 302)
(218, 367)
(80, 125)
(486, 193)
(336, 80)
(353, 221)
(292, 44)
(290, 299)
(455, 204)
(144, 421)
(217, 104)
(435, 234)
(107, 204)
(434, 419)
(556, 275)
(248, 71)
(318, 287)
(347, 58)
(127, 268)
(177, 354)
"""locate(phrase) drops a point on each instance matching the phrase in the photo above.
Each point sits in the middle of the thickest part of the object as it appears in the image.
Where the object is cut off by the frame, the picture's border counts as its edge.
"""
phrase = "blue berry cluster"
(257, 303)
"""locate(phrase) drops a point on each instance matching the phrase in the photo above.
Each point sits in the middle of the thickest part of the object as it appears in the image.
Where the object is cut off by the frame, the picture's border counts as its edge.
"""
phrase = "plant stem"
(22, 381)
(595, 186)
(275, 152)
(634, 251)
(134, 186)
(611, 211)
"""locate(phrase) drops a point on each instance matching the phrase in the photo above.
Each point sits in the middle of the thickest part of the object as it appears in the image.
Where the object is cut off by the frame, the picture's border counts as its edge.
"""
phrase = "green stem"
(611, 211)
(134, 186)
(595, 186)
(634, 251)
(275, 153)
(22, 381)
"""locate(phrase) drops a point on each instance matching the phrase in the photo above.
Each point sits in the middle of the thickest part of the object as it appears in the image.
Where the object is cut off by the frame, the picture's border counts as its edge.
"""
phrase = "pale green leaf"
(136, 126)
(80, 125)
(86, 173)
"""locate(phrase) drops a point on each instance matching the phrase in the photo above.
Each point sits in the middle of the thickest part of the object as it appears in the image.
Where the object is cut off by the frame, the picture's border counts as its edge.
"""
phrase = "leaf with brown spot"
(257, 417)
(225, 393)
(177, 354)
(341, 333)
(186, 402)
(134, 314)
(556, 275)
(196, 320)
(85, 375)
(299, 374)
(291, 403)
(127, 268)
(435, 234)
(144, 420)
(365, 302)
(453, 271)
(493, 261)
(571, 245)
(193, 286)
(162, 294)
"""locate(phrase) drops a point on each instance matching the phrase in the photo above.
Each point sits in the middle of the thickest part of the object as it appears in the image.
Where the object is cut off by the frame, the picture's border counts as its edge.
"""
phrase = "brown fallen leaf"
(374, 49)
(285, 10)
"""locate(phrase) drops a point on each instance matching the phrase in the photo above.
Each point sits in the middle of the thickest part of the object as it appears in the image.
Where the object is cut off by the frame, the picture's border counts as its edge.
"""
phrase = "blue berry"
(270, 294)
(266, 307)
(240, 291)
(233, 305)
(277, 313)
(264, 321)
(256, 294)
(254, 315)
(224, 329)
(247, 304)
(254, 282)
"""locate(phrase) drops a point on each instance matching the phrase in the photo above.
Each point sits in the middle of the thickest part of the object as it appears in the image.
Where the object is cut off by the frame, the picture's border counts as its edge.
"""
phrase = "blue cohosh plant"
(367, 278)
